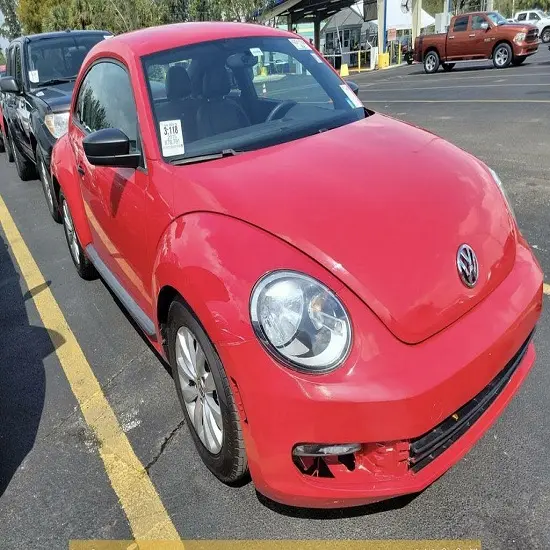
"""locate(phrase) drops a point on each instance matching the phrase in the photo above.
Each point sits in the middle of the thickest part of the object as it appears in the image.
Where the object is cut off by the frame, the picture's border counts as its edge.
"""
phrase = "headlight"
(300, 321)
(520, 37)
(503, 191)
(57, 124)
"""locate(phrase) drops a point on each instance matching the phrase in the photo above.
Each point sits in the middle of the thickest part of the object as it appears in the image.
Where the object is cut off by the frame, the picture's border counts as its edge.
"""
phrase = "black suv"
(37, 90)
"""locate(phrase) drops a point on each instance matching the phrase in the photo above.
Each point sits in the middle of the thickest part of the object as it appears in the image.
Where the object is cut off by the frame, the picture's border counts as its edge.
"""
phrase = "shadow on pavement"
(336, 513)
(22, 378)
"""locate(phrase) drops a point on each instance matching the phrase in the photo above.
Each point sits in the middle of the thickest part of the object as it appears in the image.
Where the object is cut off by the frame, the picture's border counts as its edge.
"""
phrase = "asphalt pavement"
(53, 483)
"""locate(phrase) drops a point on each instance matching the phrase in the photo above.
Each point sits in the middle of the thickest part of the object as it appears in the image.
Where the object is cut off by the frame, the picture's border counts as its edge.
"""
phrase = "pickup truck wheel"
(431, 62)
(502, 56)
(25, 167)
(545, 35)
(518, 60)
(47, 185)
(83, 266)
(8, 143)
(448, 66)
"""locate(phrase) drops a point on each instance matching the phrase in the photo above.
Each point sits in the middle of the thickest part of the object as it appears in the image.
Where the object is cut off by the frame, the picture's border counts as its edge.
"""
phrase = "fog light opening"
(325, 460)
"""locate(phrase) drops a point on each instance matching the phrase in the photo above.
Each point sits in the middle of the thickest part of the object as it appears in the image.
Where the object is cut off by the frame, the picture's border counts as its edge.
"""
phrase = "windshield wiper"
(205, 158)
(53, 81)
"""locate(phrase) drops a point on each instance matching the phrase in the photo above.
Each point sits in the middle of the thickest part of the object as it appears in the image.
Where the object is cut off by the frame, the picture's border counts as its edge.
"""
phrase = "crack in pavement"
(163, 445)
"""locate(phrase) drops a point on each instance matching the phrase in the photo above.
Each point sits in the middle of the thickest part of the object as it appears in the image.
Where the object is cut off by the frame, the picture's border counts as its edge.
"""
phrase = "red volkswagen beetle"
(342, 325)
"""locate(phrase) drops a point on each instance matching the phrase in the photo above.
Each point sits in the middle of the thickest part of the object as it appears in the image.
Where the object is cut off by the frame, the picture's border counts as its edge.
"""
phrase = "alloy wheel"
(501, 56)
(430, 62)
(71, 233)
(199, 390)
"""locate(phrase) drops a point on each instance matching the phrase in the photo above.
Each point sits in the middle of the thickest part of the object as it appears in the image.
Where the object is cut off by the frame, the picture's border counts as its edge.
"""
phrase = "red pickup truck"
(479, 35)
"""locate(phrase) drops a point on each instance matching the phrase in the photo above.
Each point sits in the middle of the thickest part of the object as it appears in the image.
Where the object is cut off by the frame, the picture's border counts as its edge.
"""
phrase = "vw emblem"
(466, 263)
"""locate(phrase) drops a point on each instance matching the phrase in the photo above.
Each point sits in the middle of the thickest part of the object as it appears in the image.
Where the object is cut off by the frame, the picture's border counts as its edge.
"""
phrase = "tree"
(176, 11)
(2, 57)
(11, 28)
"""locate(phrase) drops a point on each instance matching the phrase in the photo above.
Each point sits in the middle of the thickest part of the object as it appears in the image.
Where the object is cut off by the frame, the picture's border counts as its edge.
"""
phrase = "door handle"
(472, 35)
(80, 170)
(451, 37)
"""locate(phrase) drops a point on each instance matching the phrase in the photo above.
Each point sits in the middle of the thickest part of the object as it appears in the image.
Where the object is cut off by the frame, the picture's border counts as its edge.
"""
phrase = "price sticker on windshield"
(33, 77)
(353, 99)
(299, 44)
(171, 138)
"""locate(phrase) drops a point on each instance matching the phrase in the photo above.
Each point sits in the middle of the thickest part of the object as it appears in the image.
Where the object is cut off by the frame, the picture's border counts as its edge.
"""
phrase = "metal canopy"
(303, 11)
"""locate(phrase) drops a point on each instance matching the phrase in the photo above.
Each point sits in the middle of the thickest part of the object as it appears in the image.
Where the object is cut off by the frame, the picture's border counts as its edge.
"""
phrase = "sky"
(3, 41)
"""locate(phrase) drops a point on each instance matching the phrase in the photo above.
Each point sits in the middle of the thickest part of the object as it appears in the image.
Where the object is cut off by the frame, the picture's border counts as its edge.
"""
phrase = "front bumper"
(387, 395)
(525, 49)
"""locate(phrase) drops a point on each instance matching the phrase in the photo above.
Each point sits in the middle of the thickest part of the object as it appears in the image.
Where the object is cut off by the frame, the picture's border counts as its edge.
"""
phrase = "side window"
(522, 17)
(534, 16)
(461, 24)
(17, 70)
(106, 100)
(477, 21)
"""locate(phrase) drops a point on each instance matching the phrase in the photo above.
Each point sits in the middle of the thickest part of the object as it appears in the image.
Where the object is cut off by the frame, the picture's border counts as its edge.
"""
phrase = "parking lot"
(52, 467)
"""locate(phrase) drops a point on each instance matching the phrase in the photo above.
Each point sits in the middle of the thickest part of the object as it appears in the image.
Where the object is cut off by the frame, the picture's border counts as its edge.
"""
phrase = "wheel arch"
(499, 43)
(431, 49)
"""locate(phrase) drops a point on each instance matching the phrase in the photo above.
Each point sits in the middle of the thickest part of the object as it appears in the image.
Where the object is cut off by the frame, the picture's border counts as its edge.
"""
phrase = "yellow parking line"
(142, 505)
(422, 88)
(546, 288)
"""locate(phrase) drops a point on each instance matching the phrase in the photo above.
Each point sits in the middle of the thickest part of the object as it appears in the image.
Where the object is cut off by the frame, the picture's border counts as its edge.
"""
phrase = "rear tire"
(447, 67)
(502, 56)
(517, 61)
(48, 187)
(545, 35)
(203, 383)
(431, 62)
(83, 266)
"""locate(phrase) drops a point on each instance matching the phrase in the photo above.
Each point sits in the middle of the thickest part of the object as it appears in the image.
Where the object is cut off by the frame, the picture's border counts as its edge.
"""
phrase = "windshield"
(496, 18)
(243, 94)
(59, 58)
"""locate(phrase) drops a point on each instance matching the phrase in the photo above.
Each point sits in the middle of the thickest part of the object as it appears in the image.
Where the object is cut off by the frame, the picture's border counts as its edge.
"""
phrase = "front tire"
(48, 187)
(205, 396)
(25, 167)
(447, 67)
(83, 266)
(9, 144)
(502, 56)
(545, 35)
(517, 61)
(431, 62)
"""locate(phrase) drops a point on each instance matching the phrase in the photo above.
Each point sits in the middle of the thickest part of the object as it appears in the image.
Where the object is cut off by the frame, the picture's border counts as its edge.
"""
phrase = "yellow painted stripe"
(546, 288)
(146, 514)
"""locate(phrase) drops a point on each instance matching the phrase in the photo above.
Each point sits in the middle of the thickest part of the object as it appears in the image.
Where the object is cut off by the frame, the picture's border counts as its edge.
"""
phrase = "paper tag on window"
(298, 44)
(316, 57)
(256, 52)
(171, 138)
(33, 76)
(354, 100)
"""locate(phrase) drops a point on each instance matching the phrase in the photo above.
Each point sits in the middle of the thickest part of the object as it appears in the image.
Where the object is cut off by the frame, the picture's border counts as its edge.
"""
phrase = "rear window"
(461, 24)
(522, 17)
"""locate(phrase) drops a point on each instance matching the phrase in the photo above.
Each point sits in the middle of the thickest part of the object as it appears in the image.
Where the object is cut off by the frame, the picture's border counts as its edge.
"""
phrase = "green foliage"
(11, 28)
(2, 57)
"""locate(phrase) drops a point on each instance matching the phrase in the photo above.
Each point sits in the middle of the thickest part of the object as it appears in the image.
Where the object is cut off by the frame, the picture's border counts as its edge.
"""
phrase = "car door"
(482, 39)
(534, 19)
(23, 107)
(458, 41)
(114, 198)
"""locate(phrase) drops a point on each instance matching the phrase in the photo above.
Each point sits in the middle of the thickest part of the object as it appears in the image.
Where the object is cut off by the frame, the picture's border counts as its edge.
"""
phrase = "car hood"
(382, 205)
(57, 97)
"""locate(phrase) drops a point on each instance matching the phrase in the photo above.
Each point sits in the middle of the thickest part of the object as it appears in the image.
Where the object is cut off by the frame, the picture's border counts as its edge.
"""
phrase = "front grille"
(532, 35)
(429, 446)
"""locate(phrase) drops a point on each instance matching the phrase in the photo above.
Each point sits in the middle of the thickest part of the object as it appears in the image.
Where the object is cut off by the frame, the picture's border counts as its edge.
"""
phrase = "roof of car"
(42, 36)
(166, 37)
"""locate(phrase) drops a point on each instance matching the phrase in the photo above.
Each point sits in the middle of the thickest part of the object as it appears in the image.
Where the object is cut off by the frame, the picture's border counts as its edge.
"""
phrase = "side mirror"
(353, 86)
(9, 85)
(484, 26)
(110, 147)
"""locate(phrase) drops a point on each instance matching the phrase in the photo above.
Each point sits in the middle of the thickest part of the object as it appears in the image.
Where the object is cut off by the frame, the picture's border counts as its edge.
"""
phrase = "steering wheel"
(280, 110)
